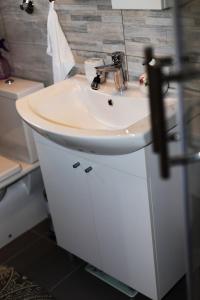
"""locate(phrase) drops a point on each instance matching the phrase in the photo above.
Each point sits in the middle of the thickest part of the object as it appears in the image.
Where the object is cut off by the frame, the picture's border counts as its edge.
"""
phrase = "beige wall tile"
(92, 28)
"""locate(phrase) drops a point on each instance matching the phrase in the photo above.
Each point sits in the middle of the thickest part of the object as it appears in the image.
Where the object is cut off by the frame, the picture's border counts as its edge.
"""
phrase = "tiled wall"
(92, 28)
(1, 27)
(2, 35)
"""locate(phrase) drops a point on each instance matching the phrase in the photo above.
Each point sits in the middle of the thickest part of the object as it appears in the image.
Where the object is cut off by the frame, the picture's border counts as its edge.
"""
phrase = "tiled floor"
(39, 258)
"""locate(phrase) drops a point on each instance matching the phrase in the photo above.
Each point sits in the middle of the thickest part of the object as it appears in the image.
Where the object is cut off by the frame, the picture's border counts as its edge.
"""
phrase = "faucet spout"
(106, 68)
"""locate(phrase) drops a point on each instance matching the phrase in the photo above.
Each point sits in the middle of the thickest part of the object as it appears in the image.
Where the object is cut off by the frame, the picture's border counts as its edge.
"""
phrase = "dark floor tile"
(18, 245)
(178, 292)
(141, 297)
(82, 285)
(43, 227)
(35, 256)
(45, 263)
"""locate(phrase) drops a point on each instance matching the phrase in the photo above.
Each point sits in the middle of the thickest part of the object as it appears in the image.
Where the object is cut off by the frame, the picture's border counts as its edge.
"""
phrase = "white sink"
(104, 122)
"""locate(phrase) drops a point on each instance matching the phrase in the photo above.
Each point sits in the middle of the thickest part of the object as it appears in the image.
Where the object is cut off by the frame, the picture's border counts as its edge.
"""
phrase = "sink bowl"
(73, 115)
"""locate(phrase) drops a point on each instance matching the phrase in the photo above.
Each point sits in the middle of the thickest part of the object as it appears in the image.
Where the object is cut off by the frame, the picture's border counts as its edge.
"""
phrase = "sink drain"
(110, 102)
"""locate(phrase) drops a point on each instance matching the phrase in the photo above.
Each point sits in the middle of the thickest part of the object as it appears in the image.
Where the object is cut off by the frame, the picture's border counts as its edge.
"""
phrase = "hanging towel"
(57, 47)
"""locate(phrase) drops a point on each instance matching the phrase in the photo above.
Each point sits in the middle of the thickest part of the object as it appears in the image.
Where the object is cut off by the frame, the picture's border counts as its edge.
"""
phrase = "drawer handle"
(76, 165)
(88, 170)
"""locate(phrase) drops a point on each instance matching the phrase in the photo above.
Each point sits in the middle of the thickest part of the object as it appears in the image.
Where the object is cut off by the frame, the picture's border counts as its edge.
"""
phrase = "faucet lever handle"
(95, 83)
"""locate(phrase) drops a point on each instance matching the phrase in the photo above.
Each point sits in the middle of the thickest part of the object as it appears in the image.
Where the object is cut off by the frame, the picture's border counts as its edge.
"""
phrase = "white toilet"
(22, 202)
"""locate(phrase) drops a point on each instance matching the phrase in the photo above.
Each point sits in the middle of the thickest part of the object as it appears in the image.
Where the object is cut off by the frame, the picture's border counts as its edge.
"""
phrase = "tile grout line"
(65, 277)
(21, 251)
(44, 237)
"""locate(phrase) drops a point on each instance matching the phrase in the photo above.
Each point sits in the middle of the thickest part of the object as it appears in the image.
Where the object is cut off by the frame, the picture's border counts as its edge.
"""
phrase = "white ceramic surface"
(104, 122)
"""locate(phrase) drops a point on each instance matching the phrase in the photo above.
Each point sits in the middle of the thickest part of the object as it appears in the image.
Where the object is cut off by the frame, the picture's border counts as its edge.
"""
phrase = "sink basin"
(73, 115)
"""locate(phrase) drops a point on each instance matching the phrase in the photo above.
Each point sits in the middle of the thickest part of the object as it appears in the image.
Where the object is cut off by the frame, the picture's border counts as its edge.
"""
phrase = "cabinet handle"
(76, 165)
(88, 170)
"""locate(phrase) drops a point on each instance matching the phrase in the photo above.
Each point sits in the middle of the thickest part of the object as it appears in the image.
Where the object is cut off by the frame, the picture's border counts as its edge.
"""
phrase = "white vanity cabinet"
(119, 216)
(141, 4)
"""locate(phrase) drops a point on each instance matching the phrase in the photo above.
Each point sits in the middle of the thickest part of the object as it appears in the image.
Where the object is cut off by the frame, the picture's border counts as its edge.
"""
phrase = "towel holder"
(27, 6)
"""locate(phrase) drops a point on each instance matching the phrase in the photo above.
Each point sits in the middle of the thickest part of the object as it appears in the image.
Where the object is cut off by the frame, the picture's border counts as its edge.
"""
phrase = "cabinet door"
(70, 205)
(122, 216)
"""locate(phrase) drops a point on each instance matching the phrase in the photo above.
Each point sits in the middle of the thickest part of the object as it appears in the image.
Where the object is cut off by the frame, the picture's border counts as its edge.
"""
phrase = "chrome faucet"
(118, 67)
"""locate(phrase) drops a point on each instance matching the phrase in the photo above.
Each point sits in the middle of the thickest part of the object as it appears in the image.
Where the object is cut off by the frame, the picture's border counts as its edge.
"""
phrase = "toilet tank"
(16, 137)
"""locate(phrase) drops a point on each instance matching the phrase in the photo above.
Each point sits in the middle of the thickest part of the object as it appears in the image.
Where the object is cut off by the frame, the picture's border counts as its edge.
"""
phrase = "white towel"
(58, 48)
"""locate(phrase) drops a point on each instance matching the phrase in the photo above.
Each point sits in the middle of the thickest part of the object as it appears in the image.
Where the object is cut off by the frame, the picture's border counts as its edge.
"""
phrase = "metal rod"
(185, 160)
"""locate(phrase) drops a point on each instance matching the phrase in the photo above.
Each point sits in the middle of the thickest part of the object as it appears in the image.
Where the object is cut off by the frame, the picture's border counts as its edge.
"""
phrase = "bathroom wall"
(92, 28)
(1, 26)
(3, 35)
